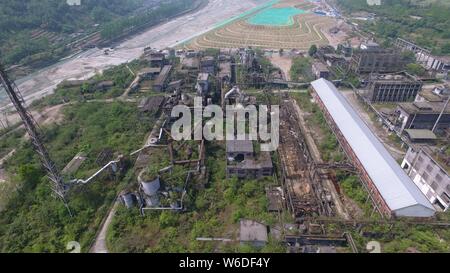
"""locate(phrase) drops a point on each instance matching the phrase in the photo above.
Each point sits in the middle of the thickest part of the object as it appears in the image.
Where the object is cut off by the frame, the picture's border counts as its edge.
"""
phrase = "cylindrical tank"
(152, 201)
(174, 205)
(128, 200)
(150, 187)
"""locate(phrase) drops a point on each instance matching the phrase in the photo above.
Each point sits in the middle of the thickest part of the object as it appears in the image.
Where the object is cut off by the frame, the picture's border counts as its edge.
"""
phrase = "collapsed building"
(202, 85)
(151, 104)
(162, 80)
(400, 87)
(392, 192)
(320, 70)
(208, 65)
(438, 93)
(242, 162)
(371, 58)
(422, 115)
(253, 233)
(424, 56)
(155, 58)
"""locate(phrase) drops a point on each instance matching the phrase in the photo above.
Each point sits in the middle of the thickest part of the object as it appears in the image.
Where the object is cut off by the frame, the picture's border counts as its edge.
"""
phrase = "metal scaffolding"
(35, 134)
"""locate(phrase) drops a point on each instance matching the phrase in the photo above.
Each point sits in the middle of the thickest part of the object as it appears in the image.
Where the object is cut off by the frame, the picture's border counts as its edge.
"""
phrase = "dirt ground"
(282, 62)
(381, 133)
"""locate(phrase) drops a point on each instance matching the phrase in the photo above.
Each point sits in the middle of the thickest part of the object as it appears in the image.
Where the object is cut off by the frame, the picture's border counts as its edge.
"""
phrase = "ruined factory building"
(393, 191)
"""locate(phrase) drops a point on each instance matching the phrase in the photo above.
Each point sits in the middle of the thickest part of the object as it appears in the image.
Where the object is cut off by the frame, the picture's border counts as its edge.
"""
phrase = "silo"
(128, 200)
(150, 188)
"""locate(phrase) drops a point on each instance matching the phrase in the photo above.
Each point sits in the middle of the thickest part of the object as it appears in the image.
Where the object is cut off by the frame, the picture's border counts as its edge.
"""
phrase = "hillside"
(426, 22)
(35, 33)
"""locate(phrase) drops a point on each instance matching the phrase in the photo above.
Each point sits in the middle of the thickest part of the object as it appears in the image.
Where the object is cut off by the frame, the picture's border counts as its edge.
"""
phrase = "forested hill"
(58, 16)
(35, 33)
(426, 22)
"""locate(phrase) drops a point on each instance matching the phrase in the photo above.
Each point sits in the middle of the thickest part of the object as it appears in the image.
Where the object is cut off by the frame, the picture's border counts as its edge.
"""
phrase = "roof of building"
(239, 146)
(424, 107)
(164, 75)
(262, 161)
(320, 66)
(150, 70)
(393, 77)
(399, 192)
(192, 62)
(150, 103)
(430, 96)
(251, 231)
(414, 134)
(202, 77)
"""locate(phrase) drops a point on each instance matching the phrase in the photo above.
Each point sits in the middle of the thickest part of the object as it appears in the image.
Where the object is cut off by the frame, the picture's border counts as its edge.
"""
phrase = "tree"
(312, 50)
(415, 69)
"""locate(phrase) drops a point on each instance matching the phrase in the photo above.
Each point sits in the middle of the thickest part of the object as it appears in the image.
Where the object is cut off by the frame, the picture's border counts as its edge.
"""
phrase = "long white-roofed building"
(392, 191)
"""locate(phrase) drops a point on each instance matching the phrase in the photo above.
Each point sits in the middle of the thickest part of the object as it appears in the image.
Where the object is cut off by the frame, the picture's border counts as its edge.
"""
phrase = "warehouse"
(392, 191)
(399, 87)
(161, 81)
(422, 115)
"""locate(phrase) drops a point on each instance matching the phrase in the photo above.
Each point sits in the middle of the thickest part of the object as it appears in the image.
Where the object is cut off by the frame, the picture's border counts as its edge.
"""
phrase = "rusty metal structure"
(305, 193)
(36, 136)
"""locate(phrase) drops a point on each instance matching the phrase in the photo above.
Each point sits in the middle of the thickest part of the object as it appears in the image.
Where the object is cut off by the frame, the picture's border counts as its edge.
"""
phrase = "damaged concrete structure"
(371, 58)
(429, 175)
(422, 115)
(392, 88)
(244, 164)
(253, 233)
(161, 81)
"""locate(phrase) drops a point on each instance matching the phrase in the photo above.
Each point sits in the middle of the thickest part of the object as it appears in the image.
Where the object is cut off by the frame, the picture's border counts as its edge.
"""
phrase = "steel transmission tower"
(35, 134)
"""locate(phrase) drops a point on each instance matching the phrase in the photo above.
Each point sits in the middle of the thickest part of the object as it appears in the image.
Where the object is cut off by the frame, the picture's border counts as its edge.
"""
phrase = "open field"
(306, 28)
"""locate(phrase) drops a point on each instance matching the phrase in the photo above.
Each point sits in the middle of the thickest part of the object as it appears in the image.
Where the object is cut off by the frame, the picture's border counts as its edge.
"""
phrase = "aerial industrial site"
(335, 134)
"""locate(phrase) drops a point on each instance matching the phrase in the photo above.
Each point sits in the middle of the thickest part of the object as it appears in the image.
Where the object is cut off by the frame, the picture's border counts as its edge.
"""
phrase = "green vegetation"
(43, 20)
(115, 28)
(301, 69)
(34, 221)
(415, 69)
(352, 187)
(326, 141)
(53, 24)
(211, 212)
(120, 75)
(425, 22)
(312, 50)
(403, 237)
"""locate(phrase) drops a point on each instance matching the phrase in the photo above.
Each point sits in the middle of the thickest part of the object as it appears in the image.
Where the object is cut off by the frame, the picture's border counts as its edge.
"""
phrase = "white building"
(429, 176)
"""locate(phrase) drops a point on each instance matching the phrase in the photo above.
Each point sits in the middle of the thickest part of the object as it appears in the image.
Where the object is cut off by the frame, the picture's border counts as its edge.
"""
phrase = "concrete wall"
(431, 179)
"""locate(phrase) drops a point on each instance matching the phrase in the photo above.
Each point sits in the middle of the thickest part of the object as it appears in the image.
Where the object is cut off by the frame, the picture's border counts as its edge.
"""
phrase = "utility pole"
(441, 114)
(35, 135)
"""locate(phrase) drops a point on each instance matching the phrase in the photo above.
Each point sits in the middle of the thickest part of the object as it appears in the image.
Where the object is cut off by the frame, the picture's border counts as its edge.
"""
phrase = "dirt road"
(381, 134)
(100, 242)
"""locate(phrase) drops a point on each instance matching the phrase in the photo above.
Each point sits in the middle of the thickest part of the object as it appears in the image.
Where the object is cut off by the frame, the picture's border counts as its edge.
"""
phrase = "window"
(425, 176)
(445, 197)
(429, 168)
(438, 178)
(434, 186)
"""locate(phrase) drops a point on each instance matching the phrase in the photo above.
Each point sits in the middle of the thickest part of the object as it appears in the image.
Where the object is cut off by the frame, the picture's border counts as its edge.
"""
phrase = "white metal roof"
(400, 193)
